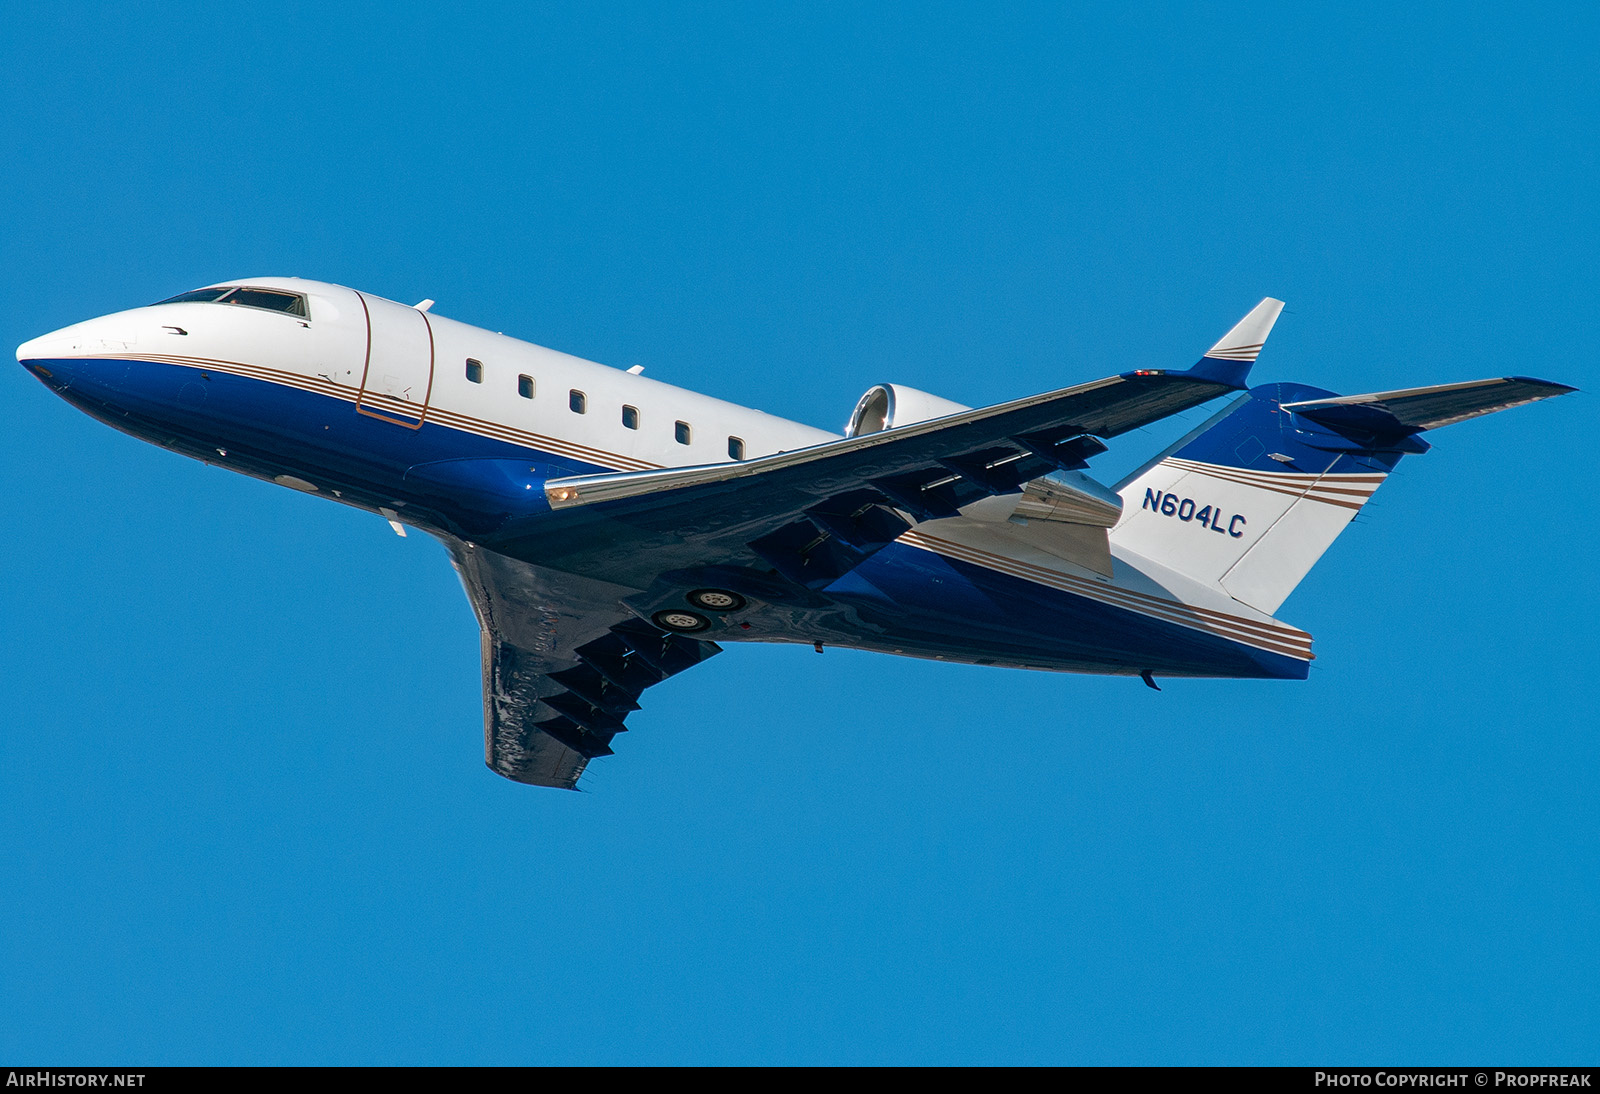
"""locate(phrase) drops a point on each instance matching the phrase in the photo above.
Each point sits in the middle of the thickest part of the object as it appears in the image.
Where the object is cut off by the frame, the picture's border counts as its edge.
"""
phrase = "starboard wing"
(814, 514)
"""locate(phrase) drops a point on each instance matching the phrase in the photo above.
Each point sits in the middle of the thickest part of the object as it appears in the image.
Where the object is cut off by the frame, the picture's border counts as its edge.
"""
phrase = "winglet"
(1229, 361)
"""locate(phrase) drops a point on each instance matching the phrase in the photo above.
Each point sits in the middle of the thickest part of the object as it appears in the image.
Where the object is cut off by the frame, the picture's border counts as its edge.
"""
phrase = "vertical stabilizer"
(1247, 503)
(1253, 498)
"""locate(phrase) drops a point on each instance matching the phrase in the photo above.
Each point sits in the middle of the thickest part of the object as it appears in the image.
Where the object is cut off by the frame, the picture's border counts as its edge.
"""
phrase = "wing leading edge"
(816, 513)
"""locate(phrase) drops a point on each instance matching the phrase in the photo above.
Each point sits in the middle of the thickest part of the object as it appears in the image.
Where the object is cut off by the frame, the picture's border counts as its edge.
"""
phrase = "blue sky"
(243, 811)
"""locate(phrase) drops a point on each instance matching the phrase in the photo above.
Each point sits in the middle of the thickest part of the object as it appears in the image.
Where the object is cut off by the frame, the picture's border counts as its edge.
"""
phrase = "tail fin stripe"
(1312, 488)
(1295, 486)
(1307, 493)
(1291, 491)
(1272, 476)
(1330, 483)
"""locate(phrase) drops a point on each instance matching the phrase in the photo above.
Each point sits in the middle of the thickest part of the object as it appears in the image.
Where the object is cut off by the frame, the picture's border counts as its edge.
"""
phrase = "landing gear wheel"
(716, 600)
(681, 621)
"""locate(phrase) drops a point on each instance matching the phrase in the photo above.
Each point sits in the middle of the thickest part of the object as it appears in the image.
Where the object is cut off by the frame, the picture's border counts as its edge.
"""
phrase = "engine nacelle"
(890, 405)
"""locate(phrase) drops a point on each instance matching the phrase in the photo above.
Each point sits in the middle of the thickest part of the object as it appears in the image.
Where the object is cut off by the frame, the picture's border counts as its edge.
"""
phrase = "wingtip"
(1229, 360)
(1244, 341)
(1555, 387)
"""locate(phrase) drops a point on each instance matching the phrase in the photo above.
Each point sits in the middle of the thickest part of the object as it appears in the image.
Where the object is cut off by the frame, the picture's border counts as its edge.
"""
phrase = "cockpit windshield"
(198, 296)
(244, 297)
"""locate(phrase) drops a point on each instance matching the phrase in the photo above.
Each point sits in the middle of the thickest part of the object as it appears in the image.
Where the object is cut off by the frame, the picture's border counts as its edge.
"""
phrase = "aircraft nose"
(83, 363)
(33, 354)
(56, 357)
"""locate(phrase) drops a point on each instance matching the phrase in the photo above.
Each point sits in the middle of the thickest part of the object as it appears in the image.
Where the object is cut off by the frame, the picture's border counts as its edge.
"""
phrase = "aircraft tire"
(681, 621)
(716, 600)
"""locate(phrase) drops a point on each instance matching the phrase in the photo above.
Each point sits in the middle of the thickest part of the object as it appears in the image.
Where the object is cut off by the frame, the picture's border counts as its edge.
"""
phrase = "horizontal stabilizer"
(1415, 409)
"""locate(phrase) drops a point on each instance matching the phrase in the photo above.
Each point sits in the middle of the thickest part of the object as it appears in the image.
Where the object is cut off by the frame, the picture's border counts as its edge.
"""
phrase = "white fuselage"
(355, 345)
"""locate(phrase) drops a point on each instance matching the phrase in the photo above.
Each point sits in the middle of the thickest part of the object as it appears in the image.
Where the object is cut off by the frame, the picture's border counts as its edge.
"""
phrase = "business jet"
(612, 531)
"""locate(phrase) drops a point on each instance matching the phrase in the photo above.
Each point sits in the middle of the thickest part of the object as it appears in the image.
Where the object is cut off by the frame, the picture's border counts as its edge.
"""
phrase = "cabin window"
(680, 431)
(735, 448)
(578, 401)
(474, 370)
(525, 386)
(630, 417)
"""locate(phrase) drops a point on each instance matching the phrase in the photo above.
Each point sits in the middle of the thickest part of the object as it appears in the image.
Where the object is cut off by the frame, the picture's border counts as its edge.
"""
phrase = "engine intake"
(888, 406)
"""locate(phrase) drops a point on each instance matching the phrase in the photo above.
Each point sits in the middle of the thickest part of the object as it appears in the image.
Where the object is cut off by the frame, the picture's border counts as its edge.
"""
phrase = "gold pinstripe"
(1374, 478)
(464, 422)
(1312, 486)
(1274, 637)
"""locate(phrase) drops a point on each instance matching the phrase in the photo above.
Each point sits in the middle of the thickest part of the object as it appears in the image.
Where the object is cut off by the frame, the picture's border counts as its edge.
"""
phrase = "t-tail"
(1252, 498)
